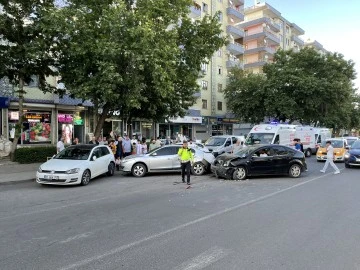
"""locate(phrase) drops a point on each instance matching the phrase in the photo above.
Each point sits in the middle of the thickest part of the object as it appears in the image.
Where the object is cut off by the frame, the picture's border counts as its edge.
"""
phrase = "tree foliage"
(141, 59)
(25, 50)
(304, 86)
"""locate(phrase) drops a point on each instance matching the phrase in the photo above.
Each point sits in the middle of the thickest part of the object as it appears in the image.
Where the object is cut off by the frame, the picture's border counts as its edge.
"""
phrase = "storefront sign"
(146, 125)
(186, 120)
(34, 116)
(65, 118)
(14, 115)
(78, 121)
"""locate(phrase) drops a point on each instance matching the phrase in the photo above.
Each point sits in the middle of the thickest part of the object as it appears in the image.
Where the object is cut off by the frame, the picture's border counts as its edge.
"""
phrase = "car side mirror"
(347, 147)
(94, 158)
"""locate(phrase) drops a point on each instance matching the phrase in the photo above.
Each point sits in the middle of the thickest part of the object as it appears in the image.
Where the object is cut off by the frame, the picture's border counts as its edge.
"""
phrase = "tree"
(306, 86)
(25, 51)
(142, 59)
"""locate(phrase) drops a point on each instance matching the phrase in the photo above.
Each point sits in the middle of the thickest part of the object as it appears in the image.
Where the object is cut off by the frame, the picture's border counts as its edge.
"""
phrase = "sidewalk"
(15, 172)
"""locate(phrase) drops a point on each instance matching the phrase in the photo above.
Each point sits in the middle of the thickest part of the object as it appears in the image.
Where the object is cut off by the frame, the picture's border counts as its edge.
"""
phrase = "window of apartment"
(246, 32)
(287, 29)
(204, 67)
(220, 87)
(220, 1)
(220, 70)
(281, 38)
(219, 106)
(281, 24)
(219, 53)
(205, 7)
(34, 81)
(287, 42)
(204, 104)
(204, 85)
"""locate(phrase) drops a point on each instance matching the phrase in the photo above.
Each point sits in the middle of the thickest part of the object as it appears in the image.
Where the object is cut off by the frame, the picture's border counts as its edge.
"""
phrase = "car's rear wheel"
(111, 169)
(85, 178)
(295, 171)
(240, 173)
(138, 170)
(308, 153)
(198, 168)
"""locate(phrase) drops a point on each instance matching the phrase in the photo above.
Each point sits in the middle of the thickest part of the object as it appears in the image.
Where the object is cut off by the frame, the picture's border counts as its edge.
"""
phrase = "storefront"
(71, 126)
(179, 125)
(36, 126)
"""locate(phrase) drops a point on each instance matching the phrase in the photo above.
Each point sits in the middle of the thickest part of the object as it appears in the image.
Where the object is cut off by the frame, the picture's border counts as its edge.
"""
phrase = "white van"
(311, 138)
(272, 134)
(222, 144)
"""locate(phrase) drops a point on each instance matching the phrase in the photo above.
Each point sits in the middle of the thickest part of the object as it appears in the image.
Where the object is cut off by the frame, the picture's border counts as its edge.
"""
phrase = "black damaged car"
(260, 160)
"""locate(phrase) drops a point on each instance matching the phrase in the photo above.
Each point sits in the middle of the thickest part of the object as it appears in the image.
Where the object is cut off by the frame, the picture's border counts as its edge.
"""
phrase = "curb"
(11, 182)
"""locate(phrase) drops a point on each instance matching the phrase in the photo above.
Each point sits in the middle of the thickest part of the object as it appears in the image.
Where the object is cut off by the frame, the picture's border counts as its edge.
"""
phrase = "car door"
(162, 159)
(96, 165)
(281, 159)
(261, 165)
(176, 165)
(228, 146)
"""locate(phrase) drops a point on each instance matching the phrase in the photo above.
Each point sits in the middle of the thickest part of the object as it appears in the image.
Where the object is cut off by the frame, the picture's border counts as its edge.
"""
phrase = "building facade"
(266, 30)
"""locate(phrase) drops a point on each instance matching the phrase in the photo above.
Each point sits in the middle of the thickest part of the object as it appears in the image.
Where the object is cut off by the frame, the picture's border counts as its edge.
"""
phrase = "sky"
(333, 23)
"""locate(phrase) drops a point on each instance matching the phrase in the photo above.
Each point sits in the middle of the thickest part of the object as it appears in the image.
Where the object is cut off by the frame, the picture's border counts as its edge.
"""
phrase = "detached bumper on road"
(221, 171)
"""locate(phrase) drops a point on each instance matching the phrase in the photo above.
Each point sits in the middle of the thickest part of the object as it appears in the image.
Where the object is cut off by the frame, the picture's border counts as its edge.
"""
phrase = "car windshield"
(74, 153)
(215, 141)
(350, 142)
(259, 138)
(356, 145)
(334, 143)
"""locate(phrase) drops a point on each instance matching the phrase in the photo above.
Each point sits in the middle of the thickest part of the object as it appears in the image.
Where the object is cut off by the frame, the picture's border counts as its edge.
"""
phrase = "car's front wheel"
(295, 171)
(198, 168)
(85, 178)
(111, 169)
(308, 153)
(138, 170)
(240, 173)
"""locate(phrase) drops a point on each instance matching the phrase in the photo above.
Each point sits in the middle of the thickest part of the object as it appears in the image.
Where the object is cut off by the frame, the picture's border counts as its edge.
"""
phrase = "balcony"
(235, 14)
(195, 12)
(298, 40)
(234, 64)
(235, 48)
(261, 62)
(259, 49)
(261, 20)
(235, 32)
(273, 39)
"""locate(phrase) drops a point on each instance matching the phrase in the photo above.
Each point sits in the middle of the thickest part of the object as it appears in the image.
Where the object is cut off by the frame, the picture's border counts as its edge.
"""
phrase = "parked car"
(222, 144)
(165, 159)
(77, 164)
(260, 160)
(340, 148)
(352, 156)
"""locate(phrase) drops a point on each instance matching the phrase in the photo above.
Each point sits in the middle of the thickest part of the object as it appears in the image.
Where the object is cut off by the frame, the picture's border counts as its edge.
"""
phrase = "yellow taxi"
(340, 148)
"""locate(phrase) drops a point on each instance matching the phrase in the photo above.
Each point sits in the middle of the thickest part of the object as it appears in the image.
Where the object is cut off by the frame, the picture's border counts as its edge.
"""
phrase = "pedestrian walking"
(330, 158)
(186, 159)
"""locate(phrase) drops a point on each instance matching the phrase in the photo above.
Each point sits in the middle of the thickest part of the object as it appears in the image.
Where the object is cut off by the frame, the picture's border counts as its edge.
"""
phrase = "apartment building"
(316, 45)
(266, 30)
(209, 116)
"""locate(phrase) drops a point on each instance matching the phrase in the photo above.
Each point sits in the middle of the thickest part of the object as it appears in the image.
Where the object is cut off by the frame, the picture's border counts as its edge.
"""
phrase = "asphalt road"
(124, 222)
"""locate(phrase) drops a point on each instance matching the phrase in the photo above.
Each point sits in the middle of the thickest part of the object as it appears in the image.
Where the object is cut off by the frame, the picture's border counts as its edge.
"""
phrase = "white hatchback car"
(77, 164)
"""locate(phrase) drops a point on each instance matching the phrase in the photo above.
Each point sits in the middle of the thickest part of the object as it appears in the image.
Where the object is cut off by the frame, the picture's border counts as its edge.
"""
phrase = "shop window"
(204, 104)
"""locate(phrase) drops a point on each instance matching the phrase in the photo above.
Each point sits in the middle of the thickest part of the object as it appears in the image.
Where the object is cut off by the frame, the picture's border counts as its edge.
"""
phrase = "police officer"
(186, 159)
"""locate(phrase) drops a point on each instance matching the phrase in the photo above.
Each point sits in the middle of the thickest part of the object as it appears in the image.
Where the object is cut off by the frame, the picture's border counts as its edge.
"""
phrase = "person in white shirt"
(60, 145)
(139, 148)
(330, 158)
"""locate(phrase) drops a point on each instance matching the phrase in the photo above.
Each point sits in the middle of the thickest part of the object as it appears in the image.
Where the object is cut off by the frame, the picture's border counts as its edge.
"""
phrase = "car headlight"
(72, 171)
(347, 155)
(320, 152)
(40, 170)
(226, 163)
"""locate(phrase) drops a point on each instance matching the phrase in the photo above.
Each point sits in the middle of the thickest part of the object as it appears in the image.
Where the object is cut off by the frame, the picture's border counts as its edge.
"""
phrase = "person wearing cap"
(186, 159)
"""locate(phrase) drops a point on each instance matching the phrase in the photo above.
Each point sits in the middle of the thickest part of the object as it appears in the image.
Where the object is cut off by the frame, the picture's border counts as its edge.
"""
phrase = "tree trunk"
(19, 125)
(101, 121)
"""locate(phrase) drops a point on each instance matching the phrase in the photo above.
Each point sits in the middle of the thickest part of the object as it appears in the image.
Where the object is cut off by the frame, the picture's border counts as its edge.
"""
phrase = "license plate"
(51, 177)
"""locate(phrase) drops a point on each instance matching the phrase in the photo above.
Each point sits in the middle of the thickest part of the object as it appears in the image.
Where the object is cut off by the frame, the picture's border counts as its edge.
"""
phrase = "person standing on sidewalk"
(186, 159)
(330, 158)
(60, 145)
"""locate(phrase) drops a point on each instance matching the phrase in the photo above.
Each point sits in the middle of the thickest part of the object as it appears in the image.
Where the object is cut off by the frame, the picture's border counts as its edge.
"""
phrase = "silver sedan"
(165, 159)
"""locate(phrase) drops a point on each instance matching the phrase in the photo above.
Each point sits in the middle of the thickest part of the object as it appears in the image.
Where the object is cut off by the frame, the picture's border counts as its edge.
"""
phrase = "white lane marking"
(203, 260)
(76, 237)
(182, 226)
